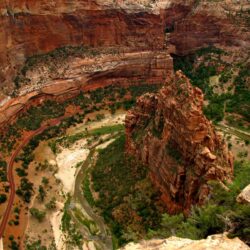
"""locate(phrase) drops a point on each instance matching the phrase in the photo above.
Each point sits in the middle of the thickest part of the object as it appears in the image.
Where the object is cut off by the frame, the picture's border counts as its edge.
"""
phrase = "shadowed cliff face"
(168, 132)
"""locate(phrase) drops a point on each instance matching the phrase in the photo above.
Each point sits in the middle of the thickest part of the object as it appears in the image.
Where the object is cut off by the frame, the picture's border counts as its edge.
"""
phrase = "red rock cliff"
(31, 27)
(168, 132)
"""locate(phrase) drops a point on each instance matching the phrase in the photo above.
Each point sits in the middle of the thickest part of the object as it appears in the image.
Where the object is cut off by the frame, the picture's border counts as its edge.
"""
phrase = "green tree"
(3, 198)
(41, 194)
(51, 204)
(39, 215)
(45, 181)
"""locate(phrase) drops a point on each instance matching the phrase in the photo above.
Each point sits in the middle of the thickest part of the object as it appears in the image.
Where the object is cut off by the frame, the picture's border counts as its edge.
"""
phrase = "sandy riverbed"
(67, 161)
(55, 221)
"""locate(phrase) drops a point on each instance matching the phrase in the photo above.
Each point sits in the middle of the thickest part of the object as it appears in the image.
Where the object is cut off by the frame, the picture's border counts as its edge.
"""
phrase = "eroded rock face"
(222, 23)
(87, 73)
(168, 132)
(213, 242)
(144, 31)
(36, 27)
(31, 27)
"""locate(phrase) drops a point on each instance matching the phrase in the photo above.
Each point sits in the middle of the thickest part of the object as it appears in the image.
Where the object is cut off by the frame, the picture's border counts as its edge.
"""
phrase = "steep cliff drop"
(168, 132)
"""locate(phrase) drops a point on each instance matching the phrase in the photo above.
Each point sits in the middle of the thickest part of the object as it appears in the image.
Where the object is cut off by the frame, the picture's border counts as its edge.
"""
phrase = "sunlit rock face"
(244, 196)
(168, 132)
(213, 242)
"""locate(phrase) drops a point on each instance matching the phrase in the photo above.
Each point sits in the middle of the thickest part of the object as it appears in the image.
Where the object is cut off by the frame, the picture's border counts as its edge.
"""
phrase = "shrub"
(25, 190)
(3, 198)
(39, 215)
(36, 245)
(51, 204)
(41, 193)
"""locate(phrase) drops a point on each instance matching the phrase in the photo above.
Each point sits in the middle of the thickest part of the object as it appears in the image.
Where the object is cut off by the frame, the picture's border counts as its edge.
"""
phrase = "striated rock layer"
(85, 73)
(30, 27)
(168, 132)
(145, 32)
(213, 242)
(36, 27)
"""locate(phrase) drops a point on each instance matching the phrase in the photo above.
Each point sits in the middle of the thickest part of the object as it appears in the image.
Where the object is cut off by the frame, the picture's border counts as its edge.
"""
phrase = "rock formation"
(39, 26)
(213, 242)
(64, 80)
(145, 32)
(36, 27)
(244, 196)
(168, 132)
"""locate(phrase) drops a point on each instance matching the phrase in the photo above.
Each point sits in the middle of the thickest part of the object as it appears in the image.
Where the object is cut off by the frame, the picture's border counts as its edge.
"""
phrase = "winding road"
(26, 140)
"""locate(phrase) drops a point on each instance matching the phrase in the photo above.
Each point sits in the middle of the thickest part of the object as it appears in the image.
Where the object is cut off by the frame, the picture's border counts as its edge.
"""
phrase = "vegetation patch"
(89, 224)
(207, 62)
(221, 213)
(71, 139)
(111, 97)
(86, 190)
(74, 236)
(172, 151)
(128, 202)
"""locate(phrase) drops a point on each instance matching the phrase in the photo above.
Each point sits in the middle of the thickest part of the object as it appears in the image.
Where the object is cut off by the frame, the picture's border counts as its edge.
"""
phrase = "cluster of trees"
(75, 237)
(3, 170)
(129, 203)
(13, 244)
(240, 102)
(8, 138)
(16, 220)
(235, 103)
(51, 204)
(49, 109)
(38, 214)
(36, 245)
(25, 190)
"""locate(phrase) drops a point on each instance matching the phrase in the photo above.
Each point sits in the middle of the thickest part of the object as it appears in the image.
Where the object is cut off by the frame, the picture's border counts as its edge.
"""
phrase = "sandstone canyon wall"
(36, 27)
(168, 132)
(145, 32)
(31, 27)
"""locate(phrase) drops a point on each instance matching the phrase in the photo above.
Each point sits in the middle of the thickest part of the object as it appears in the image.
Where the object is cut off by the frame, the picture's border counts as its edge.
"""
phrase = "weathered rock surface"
(244, 196)
(168, 132)
(35, 27)
(31, 27)
(88, 73)
(213, 242)
(135, 28)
